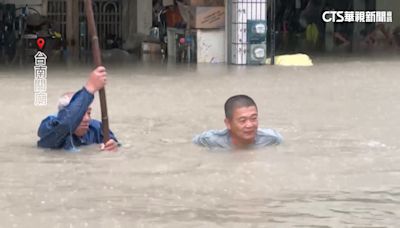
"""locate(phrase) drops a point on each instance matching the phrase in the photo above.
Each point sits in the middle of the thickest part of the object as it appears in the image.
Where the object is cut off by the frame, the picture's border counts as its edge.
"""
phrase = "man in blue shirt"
(242, 132)
(73, 126)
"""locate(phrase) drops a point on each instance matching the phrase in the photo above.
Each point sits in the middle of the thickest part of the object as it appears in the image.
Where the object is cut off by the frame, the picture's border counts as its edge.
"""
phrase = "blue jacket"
(56, 132)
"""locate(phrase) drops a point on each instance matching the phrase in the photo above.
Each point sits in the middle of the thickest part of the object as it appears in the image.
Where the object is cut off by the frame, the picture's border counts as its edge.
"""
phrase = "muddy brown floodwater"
(338, 166)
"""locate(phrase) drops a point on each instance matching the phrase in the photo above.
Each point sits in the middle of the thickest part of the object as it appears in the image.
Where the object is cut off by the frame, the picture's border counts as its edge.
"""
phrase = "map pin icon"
(40, 43)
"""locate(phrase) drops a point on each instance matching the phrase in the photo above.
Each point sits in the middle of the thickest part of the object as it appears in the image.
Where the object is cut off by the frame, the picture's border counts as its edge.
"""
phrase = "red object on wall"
(173, 17)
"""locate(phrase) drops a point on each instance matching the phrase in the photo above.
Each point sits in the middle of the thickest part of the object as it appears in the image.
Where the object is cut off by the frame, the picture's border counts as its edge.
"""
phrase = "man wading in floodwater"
(73, 126)
(242, 132)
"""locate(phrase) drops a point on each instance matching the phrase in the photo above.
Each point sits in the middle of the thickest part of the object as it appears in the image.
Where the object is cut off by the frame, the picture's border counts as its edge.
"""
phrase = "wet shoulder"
(50, 120)
(213, 139)
(267, 136)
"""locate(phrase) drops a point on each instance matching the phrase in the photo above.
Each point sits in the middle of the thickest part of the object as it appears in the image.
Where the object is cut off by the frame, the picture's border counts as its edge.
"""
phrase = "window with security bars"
(57, 13)
(108, 17)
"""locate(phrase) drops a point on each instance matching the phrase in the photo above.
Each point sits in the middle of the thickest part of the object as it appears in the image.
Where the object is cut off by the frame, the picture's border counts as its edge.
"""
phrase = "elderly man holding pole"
(73, 126)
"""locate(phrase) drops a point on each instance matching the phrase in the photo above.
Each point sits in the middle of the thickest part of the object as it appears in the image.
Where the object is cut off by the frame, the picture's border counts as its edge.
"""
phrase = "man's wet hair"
(237, 101)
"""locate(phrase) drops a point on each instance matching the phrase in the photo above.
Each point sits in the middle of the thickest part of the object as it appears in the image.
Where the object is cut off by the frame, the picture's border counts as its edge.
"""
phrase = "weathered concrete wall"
(390, 5)
(144, 15)
(137, 21)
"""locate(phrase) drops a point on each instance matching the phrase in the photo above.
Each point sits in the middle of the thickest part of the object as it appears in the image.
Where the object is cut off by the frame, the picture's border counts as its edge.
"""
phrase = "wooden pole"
(97, 61)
